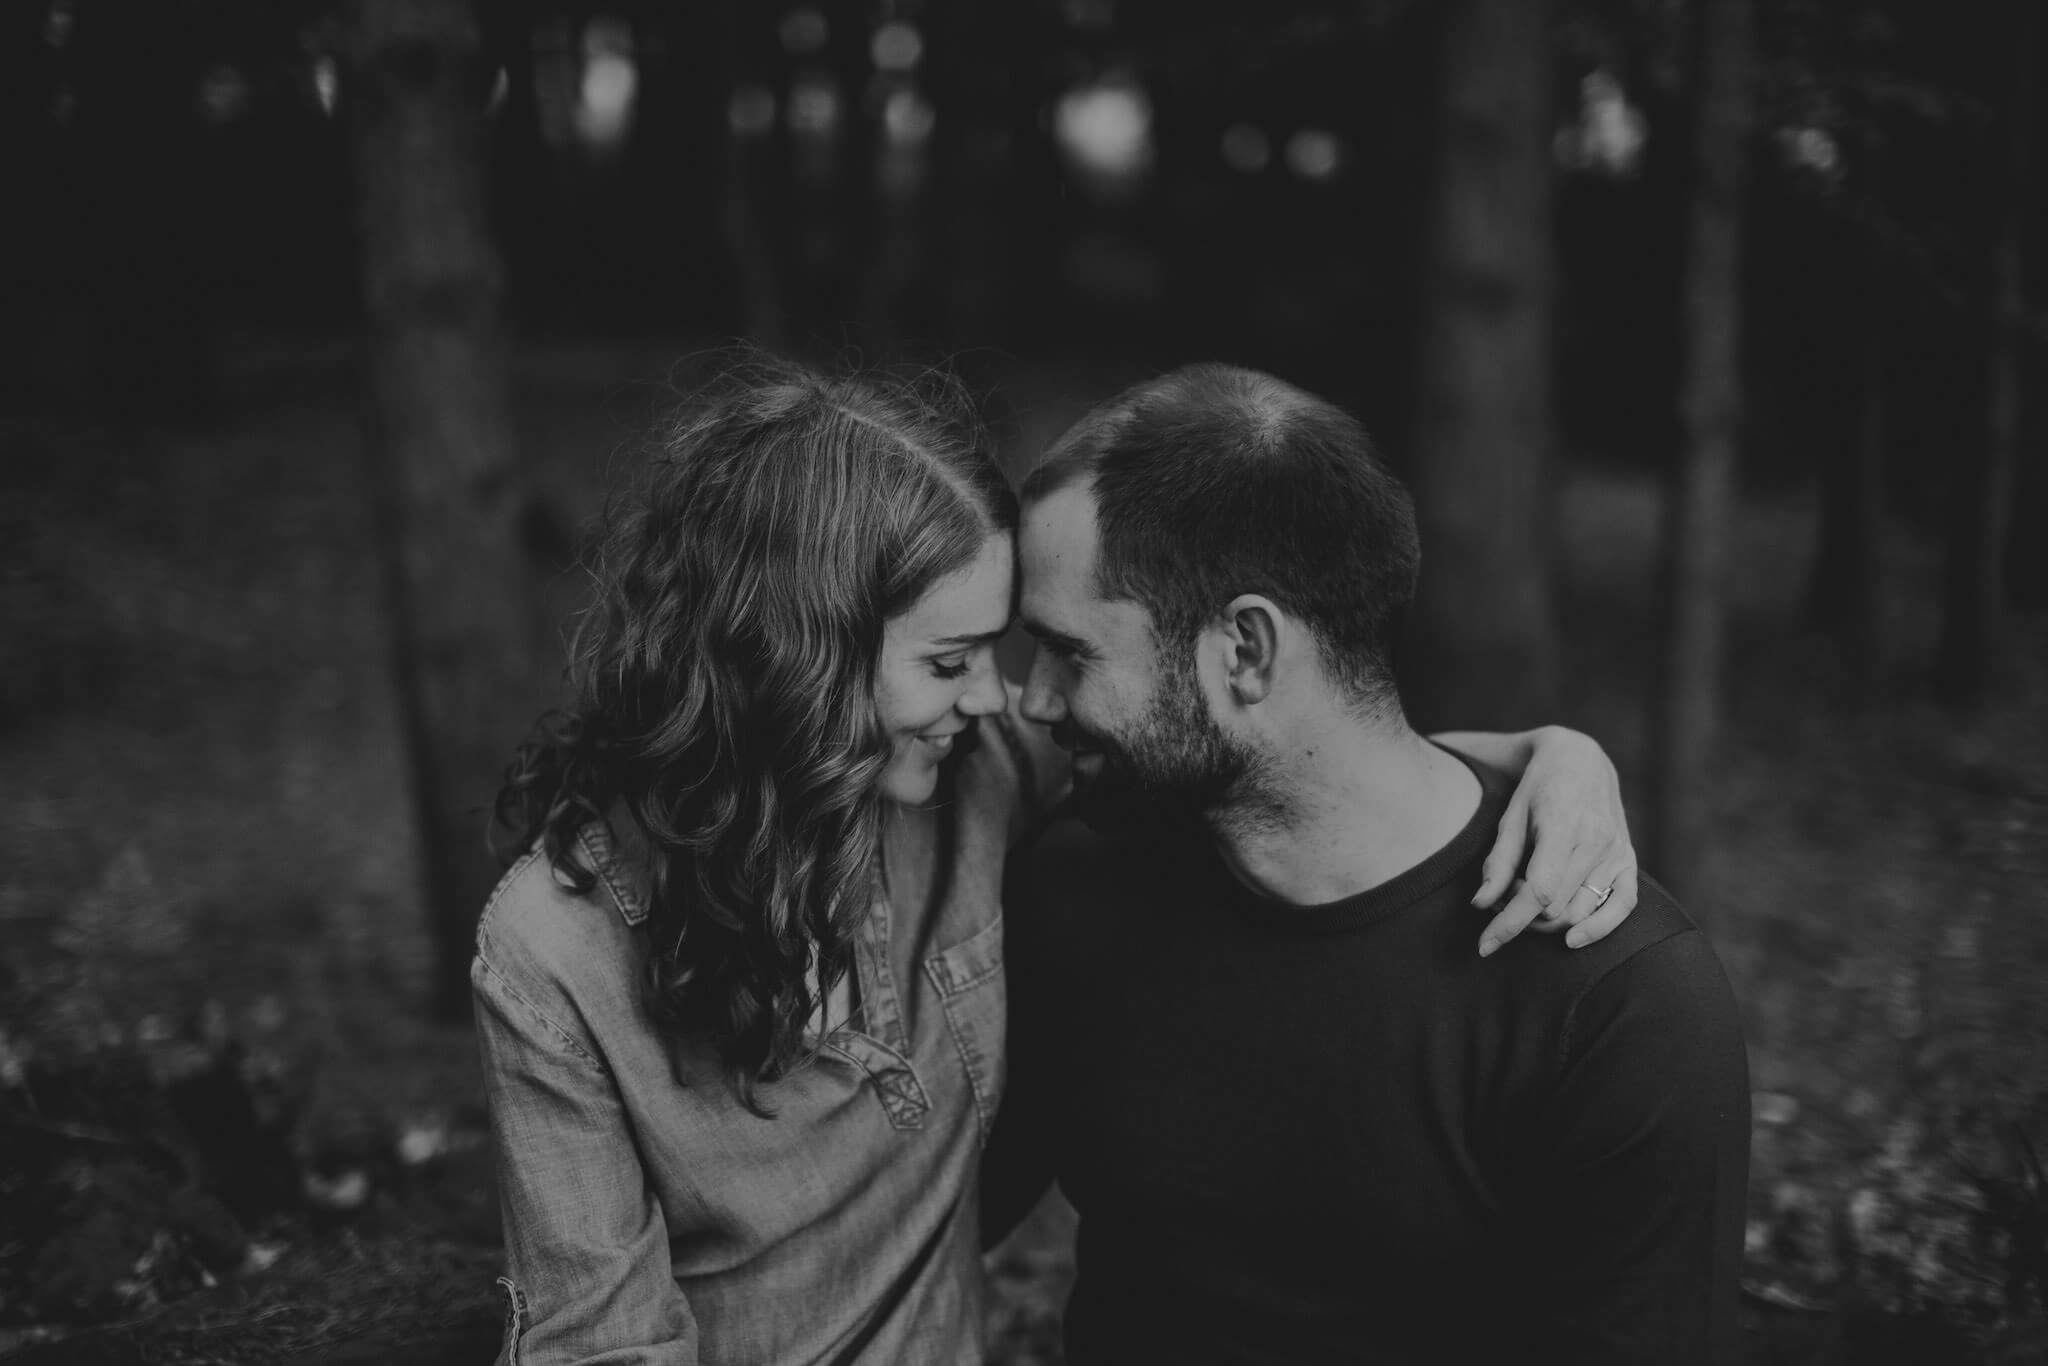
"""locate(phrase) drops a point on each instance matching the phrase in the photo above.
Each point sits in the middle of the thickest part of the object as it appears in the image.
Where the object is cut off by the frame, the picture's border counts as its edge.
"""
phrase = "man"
(1301, 1119)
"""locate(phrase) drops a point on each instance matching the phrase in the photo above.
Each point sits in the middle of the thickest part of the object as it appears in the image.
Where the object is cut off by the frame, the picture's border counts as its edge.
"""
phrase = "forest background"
(1705, 331)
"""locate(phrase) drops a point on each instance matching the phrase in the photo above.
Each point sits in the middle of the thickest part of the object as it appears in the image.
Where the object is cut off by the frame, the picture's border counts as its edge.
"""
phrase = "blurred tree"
(1842, 592)
(1980, 515)
(461, 605)
(763, 314)
(1485, 638)
(1934, 257)
(1710, 415)
(999, 211)
(124, 110)
(859, 286)
(711, 141)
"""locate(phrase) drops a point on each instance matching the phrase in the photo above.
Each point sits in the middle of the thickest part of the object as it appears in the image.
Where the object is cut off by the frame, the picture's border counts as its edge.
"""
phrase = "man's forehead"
(1057, 537)
(1060, 598)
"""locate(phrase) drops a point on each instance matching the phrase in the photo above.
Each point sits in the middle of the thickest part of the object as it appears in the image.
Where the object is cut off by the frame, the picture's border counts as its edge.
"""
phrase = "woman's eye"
(944, 668)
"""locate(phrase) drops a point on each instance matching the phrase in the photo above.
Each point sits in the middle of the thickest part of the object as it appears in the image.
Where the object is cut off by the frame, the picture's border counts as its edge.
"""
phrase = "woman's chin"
(911, 783)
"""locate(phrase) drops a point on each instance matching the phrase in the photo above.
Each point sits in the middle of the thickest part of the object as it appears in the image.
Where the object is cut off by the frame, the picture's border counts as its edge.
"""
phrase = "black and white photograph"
(1024, 683)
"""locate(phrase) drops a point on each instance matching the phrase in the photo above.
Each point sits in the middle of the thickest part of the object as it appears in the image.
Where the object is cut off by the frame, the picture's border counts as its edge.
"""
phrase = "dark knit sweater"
(1335, 1133)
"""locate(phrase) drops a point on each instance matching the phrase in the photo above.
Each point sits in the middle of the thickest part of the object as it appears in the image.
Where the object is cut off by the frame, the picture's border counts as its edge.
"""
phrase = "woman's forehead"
(971, 603)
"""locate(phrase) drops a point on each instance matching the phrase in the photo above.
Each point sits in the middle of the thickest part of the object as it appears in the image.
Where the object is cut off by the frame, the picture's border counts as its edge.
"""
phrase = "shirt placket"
(879, 1044)
(881, 1011)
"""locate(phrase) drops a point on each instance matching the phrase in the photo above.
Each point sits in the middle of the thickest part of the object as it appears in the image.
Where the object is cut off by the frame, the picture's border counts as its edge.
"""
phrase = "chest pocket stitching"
(970, 1053)
(968, 963)
(896, 1085)
(515, 1320)
(953, 971)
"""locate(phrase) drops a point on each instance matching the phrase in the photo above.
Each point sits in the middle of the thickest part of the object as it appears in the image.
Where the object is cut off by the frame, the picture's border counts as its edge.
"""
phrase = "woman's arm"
(586, 1246)
(1566, 816)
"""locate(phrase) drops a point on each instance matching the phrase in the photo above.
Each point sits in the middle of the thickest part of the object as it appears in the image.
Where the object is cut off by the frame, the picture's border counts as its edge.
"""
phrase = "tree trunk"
(463, 639)
(1710, 414)
(1842, 596)
(1980, 511)
(996, 211)
(1484, 647)
(723, 33)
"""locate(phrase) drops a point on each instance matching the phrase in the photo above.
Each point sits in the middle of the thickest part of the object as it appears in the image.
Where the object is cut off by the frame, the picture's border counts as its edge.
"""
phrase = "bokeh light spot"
(751, 111)
(1105, 130)
(907, 117)
(814, 105)
(1089, 14)
(803, 31)
(223, 94)
(1245, 148)
(609, 85)
(1809, 148)
(1314, 153)
(326, 83)
(897, 46)
(1609, 132)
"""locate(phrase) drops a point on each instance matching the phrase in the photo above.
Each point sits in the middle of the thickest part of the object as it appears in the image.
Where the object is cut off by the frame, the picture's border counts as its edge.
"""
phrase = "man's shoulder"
(1657, 916)
(1657, 971)
(1656, 919)
(1657, 939)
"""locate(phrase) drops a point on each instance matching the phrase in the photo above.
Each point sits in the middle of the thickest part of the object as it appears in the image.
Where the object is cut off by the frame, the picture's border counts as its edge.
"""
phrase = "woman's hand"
(1580, 875)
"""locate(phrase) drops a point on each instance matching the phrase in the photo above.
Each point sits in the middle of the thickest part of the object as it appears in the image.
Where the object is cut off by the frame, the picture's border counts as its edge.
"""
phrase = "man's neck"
(1359, 806)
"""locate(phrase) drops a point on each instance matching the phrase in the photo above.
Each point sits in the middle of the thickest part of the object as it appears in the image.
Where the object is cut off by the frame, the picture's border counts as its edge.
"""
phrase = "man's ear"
(1250, 632)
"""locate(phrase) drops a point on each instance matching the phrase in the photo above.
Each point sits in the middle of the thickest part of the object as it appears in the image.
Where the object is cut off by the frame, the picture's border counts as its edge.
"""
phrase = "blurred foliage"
(1884, 114)
(238, 1141)
(202, 885)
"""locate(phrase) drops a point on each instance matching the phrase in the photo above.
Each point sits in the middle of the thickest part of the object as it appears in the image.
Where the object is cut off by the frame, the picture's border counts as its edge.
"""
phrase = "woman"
(741, 999)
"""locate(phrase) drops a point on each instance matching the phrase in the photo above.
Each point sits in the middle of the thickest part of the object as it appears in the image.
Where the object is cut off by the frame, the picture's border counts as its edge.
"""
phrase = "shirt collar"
(619, 860)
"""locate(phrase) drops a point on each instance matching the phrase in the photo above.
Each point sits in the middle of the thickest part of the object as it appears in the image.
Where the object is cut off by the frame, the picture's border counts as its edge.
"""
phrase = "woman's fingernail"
(1487, 946)
(1574, 937)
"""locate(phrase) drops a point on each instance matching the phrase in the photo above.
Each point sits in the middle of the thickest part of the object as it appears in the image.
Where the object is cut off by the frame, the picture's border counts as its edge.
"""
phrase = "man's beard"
(1174, 767)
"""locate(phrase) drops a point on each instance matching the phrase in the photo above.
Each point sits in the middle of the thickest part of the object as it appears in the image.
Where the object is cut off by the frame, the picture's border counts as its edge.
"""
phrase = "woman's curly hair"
(723, 682)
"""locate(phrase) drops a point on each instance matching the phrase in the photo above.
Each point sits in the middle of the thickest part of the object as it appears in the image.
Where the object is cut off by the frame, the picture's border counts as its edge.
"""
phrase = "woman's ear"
(1250, 630)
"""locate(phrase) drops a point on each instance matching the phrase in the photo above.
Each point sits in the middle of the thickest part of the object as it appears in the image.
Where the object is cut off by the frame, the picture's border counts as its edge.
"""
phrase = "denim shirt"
(650, 1219)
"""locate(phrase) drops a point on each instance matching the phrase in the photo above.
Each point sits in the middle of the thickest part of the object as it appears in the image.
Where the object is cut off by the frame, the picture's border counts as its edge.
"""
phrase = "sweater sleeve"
(586, 1245)
(1634, 1206)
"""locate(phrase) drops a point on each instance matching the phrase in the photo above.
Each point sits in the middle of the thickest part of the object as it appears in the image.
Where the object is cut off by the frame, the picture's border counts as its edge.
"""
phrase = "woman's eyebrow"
(971, 640)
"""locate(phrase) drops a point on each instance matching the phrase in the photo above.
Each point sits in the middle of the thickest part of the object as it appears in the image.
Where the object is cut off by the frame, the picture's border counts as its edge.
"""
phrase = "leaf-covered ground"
(231, 1137)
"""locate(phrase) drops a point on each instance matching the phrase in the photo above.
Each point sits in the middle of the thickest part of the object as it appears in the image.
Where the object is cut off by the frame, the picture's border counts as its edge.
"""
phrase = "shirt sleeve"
(586, 1245)
(1636, 1198)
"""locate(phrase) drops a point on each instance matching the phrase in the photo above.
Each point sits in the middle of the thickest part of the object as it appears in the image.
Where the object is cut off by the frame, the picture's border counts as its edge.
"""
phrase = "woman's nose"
(985, 695)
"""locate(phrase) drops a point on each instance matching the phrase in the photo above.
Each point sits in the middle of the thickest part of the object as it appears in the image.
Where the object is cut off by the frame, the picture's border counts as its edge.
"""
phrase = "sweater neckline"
(1406, 888)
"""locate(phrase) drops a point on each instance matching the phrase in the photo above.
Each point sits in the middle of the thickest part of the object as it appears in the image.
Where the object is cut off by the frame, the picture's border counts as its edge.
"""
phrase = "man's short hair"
(1215, 480)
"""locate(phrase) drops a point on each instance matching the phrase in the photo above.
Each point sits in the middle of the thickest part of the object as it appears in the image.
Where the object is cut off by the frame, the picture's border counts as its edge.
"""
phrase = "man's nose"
(1042, 701)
